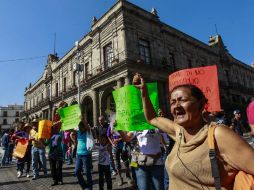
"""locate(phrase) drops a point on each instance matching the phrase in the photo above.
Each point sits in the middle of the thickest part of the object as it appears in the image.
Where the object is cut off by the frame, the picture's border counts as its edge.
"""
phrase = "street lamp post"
(77, 68)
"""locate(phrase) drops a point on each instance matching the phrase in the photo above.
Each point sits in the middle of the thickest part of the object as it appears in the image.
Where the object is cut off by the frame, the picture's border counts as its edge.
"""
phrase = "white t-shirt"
(149, 142)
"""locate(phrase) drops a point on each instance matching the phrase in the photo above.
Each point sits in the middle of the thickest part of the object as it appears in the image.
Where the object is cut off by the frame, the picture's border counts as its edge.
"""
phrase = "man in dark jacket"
(237, 123)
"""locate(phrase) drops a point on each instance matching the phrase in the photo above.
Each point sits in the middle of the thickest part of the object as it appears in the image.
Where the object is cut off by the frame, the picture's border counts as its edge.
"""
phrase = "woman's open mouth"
(179, 114)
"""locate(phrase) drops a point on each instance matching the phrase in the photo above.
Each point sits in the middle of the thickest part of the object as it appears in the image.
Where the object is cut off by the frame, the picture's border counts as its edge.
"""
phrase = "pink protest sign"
(250, 113)
(205, 78)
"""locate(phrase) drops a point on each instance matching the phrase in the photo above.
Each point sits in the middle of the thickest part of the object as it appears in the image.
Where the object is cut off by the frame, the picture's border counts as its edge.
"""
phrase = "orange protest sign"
(21, 148)
(44, 129)
(205, 78)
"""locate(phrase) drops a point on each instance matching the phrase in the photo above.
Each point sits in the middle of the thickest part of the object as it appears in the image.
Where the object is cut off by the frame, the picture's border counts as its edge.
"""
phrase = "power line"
(22, 59)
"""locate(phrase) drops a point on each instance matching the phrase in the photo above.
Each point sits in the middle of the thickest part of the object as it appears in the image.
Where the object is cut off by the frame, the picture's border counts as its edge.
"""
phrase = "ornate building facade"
(126, 40)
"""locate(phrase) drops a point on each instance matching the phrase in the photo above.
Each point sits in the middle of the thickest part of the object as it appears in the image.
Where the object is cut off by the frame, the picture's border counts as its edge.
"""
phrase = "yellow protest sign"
(44, 130)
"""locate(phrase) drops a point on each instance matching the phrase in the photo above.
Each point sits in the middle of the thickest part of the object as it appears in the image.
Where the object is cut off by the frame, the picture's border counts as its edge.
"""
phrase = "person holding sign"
(38, 151)
(56, 156)
(188, 164)
(84, 154)
(23, 134)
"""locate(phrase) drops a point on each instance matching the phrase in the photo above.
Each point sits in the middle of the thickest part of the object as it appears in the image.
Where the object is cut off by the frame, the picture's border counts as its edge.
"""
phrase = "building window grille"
(48, 91)
(144, 51)
(108, 55)
(86, 69)
(64, 84)
(4, 121)
(17, 114)
(56, 90)
(73, 79)
(5, 114)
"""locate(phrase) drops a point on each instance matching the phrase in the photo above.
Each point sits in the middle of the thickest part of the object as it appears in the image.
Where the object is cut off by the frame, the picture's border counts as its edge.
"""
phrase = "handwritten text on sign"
(70, 117)
(205, 78)
(129, 108)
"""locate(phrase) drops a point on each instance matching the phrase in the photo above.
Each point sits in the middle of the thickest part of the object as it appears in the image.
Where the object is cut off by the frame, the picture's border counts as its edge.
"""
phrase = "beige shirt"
(36, 142)
(189, 166)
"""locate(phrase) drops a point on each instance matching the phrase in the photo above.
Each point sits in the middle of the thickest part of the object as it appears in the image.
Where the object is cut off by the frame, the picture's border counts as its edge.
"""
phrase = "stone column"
(127, 81)
(95, 99)
(119, 83)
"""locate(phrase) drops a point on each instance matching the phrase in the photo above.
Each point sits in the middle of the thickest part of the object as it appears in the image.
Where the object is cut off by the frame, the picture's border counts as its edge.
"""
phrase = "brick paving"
(9, 181)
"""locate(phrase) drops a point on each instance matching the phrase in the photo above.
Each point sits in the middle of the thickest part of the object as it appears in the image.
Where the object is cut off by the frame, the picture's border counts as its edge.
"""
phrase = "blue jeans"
(36, 154)
(166, 178)
(69, 157)
(10, 152)
(111, 160)
(84, 160)
(5, 156)
(64, 147)
(150, 176)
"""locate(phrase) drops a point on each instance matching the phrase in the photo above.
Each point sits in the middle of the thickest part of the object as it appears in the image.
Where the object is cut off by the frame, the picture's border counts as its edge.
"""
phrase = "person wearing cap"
(250, 116)
(38, 151)
(237, 123)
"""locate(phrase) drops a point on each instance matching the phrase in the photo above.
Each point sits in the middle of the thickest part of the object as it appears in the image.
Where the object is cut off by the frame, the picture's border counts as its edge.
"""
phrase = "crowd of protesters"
(142, 153)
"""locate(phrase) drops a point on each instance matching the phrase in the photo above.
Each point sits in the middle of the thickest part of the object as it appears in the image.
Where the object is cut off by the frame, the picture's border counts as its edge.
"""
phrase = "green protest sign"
(70, 117)
(129, 108)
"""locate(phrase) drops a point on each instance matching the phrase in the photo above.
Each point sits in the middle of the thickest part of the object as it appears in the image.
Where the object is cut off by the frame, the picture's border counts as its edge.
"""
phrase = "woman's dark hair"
(195, 91)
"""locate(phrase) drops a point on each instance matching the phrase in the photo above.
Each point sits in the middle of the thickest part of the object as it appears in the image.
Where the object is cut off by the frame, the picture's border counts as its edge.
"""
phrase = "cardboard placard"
(250, 113)
(205, 78)
(129, 108)
(70, 117)
(21, 148)
(44, 129)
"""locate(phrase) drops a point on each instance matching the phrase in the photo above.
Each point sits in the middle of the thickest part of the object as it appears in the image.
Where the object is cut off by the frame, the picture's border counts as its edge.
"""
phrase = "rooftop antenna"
(216, 30)
(54, 43)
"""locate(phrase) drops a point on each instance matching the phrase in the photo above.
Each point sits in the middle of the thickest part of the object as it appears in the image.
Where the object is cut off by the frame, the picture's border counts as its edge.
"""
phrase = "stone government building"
(126, 40)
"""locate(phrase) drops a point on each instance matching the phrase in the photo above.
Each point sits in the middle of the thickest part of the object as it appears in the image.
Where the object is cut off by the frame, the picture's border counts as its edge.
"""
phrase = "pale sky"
(28, 27)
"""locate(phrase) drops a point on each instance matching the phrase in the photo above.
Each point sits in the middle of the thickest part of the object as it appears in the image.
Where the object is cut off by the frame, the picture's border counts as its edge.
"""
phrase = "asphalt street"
(9, 180)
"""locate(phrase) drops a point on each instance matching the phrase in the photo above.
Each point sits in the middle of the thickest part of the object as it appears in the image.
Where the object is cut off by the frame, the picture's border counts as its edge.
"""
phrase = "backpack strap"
(212, 156)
